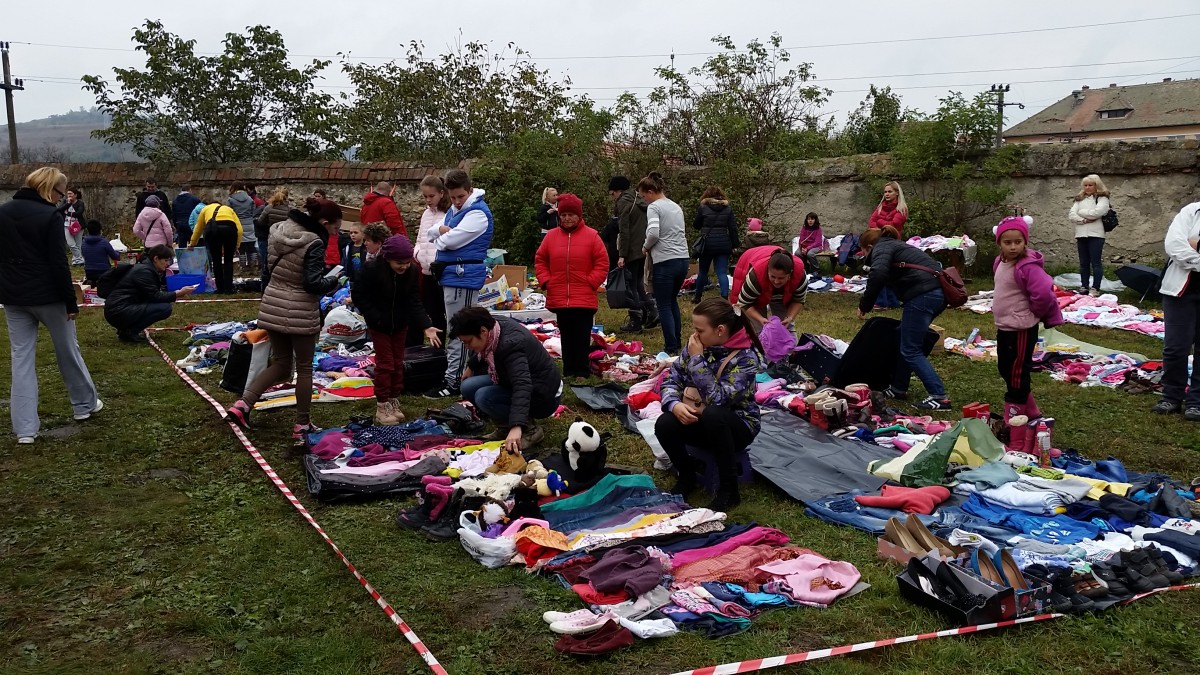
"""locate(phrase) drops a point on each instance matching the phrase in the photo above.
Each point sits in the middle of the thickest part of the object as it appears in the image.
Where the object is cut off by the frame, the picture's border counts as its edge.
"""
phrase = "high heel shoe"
(927, 581)
(929, 540)
(895, 532)
(1004, 563)
(963, 598)
(982, 566)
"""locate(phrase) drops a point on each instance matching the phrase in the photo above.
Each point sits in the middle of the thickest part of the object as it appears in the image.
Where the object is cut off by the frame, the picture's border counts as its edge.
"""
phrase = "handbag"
(619, 289)
(74, 227)
(952, 284)
(691, 395)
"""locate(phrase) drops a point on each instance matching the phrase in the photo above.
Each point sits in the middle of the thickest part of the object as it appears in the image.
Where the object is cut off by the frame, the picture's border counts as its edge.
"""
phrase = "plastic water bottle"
(1043, 443)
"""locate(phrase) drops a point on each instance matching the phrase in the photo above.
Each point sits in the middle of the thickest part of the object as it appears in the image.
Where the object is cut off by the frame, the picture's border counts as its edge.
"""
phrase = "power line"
(648, 56)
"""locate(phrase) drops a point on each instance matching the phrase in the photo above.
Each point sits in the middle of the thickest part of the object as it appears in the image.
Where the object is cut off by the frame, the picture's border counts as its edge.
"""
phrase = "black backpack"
(1109, 220)
(109, 280)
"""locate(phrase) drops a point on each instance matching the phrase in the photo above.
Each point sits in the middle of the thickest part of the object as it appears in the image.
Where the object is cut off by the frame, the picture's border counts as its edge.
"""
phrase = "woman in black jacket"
(718, 235)
(920, 292)
(35, 288)
(517, 383)
(140, 298)
(387, 293)
(547, 215)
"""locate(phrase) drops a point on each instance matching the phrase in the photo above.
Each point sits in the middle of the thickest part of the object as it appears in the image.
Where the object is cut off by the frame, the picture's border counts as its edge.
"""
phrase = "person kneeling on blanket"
(519, 382)
(708, 398)
(139, 299)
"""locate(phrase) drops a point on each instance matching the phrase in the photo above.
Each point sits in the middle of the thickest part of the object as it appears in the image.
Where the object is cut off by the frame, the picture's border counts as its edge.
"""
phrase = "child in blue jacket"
(98, 253)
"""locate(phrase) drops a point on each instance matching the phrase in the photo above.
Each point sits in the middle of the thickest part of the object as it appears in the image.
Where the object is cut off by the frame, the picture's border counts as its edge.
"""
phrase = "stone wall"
(1149, 181)
(110, 189)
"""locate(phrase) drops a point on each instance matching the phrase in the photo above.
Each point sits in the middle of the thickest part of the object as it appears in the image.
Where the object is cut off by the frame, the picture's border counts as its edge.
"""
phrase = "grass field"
(147, 541)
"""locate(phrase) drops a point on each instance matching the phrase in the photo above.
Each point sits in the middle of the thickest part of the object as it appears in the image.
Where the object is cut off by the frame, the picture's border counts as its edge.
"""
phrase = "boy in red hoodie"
(1024, 297)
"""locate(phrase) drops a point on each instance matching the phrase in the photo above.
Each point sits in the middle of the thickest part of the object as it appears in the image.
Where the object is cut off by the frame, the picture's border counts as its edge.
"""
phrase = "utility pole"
(1000, 90)
(9, 86)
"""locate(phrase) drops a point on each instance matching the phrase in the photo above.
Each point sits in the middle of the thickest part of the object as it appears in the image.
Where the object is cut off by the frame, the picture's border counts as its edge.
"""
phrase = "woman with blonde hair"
(1090, 205)
(547, 216)
(35, 288)
(892, 211)
(276, 211)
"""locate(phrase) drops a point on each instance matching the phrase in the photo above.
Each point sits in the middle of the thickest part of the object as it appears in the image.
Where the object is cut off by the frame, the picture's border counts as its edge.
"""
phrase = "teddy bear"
(585, 451)
(497, 486)
(552, 485)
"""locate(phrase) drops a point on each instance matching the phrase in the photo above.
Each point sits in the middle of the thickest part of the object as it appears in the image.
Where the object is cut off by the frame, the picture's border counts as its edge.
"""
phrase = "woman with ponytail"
(708, 398)
(290, 310)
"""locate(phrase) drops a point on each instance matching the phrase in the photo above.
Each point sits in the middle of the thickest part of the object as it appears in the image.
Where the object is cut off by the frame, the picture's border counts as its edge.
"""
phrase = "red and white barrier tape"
(183, 302)
(775, 661)
(401, 625)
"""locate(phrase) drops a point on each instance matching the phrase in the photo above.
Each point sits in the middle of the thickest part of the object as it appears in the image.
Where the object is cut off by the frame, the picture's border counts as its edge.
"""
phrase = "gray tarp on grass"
(808, 463)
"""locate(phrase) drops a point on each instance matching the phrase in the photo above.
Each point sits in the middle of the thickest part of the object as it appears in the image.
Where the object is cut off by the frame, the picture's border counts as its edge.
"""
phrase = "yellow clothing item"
(636, 524)
(214, 212)
(1100, 487)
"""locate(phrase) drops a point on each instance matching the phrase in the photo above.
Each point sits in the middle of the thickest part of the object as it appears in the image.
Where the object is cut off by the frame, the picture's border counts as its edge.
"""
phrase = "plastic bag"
(118, 245)
(491, 553)
(619, 290)
(777, 341)
(343, 326)
(192, 262)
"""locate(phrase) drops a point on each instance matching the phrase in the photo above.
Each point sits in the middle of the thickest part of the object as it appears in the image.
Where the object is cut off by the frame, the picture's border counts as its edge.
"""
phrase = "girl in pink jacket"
(1024, 298)
(152, 225)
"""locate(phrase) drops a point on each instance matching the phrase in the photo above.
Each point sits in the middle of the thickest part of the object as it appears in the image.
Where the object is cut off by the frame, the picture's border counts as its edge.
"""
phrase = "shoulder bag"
(952, 284)
(691, 395)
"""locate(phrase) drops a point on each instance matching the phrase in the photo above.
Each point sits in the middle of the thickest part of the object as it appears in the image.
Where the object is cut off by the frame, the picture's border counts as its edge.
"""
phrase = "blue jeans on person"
(667, 278)
(720, 265)
(262, 263)
(918, 313)
(1090, 249)
(495, 400)
(887, 298)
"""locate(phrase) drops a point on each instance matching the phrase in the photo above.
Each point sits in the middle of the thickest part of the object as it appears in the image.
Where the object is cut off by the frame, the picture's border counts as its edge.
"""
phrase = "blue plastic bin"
(178, 281)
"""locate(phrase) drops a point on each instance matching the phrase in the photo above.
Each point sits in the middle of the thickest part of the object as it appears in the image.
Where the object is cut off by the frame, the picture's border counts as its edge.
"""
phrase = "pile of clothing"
(1101, 312)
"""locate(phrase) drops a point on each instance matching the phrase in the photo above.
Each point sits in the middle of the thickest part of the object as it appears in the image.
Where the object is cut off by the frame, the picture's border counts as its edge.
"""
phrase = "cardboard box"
(941, 332)
(515, 275)
(977, 410)
(78, 293)
(999, 605)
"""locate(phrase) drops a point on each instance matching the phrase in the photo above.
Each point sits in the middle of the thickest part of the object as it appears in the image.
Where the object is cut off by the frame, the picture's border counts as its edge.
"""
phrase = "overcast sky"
(635, 36)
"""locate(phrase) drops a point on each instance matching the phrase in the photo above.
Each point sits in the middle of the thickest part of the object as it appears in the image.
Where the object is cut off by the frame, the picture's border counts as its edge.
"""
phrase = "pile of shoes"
(840, 411)
(943, 583)
(912, 536)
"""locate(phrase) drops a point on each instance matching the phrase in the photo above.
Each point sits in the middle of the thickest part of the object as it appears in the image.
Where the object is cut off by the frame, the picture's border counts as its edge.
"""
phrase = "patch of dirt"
(480, 609)
(65, 431)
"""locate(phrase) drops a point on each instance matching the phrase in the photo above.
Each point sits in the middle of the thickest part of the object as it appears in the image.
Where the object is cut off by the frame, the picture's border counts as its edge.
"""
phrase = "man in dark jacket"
(152, 190)
(181, 211)
(509, 377)
(630, 210)
(139, 299)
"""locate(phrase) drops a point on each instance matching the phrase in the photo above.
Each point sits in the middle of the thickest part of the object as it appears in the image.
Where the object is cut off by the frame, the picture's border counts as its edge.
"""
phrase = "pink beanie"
(1019, 223)
(754, 224)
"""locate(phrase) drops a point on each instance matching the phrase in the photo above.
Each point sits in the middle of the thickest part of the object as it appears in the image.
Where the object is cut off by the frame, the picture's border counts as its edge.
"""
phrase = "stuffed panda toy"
(585, 452)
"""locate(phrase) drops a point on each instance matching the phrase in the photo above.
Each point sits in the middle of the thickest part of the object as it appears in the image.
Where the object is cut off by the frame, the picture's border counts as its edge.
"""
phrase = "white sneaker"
(554, 617)
(26, 440)
(79, 417)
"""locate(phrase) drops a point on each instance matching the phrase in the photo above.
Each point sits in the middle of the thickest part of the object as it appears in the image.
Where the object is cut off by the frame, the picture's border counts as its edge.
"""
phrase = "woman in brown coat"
(290, 310)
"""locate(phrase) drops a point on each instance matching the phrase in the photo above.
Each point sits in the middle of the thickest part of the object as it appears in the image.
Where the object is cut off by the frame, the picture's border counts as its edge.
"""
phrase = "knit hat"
(152, 201)
(569, 203)
(618, 183)
(1019, 223)
(754, 224)
(398, 248)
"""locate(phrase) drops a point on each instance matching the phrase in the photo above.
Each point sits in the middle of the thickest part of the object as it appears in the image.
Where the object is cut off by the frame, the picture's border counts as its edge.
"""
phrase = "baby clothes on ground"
(608, 638)
(815, 579)
(631, 569)
(650, 628)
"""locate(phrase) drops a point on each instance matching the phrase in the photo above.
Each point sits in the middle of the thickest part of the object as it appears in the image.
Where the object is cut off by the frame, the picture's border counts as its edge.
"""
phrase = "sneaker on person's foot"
(932, 403)
(443, 392)
(1165, 407)
(26, 440)
(1192, 414)
(1095, 293)
(892, 392)
(79, 417)
(300, 432)
(239, 412)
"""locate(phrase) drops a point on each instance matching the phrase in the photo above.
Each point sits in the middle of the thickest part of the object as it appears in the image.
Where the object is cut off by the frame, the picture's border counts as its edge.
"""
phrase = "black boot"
(634, 323)
(417, 516)
(650, 316)
(446, 525)
(727, 495)
(685, 468)
(727, 498)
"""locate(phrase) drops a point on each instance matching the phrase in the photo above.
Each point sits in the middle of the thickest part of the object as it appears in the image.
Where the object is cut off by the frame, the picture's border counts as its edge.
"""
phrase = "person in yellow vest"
(224, 234)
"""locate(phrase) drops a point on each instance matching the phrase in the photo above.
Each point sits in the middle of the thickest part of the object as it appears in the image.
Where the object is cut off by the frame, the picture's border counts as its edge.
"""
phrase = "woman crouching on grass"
(388, 295)
(708, 398)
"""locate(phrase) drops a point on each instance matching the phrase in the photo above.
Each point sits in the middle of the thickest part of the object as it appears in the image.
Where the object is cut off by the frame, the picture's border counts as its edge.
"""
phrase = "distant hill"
(65, 138)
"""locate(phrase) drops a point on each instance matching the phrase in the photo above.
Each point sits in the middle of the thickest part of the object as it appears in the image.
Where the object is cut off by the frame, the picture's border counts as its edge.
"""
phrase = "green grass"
(149, 542)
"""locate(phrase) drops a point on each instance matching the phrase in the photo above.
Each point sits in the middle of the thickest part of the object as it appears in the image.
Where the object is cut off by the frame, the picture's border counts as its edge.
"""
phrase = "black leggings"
(222, 240)
(1014, 352)
(718, 430)
(435, 306)
(575, 329)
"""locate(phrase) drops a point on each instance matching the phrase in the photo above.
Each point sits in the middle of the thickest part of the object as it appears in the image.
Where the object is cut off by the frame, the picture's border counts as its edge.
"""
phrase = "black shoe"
(683, 487)
(1139, 561)
(631, 326)
(1061, 584)
(445, 527)
(1156, 558)
(931, 403)
(443, 392)
(416, 516)
(1192, 414)
(726, 499)
(651, 321)
(1165, 407)
(131, 337)
(963, 598)
(892, 392)
(1134, 582)
(1106, 574)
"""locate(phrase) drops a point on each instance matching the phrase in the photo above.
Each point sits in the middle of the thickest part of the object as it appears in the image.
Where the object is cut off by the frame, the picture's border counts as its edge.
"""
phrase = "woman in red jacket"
(571, 264)
(892, 209)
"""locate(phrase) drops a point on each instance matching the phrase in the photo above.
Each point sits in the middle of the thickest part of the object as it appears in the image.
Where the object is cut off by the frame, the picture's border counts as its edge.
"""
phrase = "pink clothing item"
(426, 250)
(332, 444)
(1024, 294)
(153, 227)
(814, 579)
(811, 239)
(1013, 223)
(751, 537)
(739, 340)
